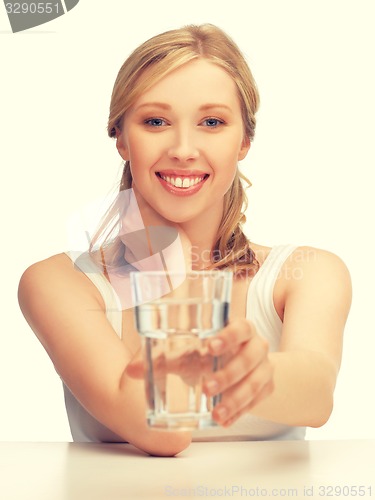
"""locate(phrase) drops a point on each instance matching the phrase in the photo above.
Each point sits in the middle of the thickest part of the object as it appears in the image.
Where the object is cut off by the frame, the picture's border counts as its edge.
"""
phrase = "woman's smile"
(181, 184)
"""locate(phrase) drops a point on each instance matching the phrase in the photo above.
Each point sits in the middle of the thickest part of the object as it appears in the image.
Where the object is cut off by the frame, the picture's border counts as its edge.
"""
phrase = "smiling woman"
(219, 67)
(183, 115)
(173, 132)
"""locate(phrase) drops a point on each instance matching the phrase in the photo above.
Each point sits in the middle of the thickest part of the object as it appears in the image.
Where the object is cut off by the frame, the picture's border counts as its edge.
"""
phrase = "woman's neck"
(202, 233)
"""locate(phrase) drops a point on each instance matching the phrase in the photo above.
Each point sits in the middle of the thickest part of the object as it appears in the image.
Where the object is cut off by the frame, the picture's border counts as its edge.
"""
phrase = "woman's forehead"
(197, 81)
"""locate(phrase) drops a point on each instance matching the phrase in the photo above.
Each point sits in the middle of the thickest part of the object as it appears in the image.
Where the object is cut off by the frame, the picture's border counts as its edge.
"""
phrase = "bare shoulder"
(314, 267)
(313, 276)
(55, 277)
(306, 257)
(52, 264)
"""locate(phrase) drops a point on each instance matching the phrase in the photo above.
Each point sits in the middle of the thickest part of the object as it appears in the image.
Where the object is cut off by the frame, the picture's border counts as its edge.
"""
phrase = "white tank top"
(260, 310)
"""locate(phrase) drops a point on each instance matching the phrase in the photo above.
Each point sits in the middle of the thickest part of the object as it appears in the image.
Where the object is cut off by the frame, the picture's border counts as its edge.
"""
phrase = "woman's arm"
(295, 385)
(67, 313)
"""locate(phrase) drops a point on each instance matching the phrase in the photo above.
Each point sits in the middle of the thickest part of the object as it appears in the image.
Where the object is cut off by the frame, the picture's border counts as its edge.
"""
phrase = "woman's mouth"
(182, 184)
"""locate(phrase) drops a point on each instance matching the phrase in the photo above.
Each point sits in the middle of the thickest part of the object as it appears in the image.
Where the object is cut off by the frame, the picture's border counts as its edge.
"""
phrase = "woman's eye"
(155, 122)
(212, 122)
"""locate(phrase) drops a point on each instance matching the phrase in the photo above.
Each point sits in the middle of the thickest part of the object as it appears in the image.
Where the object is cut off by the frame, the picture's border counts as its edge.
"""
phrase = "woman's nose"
(183, 147)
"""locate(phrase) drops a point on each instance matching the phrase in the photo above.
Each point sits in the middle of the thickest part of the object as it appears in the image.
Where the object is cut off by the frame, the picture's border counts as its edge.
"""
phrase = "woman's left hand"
(247, 375)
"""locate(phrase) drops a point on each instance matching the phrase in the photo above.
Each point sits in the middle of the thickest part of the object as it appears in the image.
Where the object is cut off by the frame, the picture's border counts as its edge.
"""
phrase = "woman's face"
(183, 138)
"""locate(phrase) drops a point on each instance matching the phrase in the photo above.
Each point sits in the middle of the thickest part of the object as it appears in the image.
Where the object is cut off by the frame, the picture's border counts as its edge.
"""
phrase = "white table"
(288, 469)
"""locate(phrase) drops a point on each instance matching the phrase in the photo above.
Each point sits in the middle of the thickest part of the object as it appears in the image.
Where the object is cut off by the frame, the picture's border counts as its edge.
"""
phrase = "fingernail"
(212, 386)
(216, 345)
(222, 413)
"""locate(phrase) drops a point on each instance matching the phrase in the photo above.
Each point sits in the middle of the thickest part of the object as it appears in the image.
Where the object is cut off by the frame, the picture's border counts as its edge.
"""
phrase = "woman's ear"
(121, 146)
(244, 148)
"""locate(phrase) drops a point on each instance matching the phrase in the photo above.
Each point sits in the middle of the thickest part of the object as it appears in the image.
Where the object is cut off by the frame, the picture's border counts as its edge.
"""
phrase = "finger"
(245, 394)
(247, 359)
(136, 367)
(187, 365)
(265, 392)
(231, 337)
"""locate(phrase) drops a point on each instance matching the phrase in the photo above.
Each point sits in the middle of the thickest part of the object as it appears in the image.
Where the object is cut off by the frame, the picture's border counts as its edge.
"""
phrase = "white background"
(311, 164)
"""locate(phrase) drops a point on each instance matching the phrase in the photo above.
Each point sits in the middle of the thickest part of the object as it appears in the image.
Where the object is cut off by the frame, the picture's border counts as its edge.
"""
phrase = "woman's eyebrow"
(204, 107)
(161, 105)
(209, 106)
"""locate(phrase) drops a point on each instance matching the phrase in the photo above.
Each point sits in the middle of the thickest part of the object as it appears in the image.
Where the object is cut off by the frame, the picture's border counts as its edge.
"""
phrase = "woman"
(183, 114)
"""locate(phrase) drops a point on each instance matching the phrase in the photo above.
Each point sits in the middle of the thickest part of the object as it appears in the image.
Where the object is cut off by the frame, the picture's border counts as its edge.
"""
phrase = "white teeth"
(186, 182)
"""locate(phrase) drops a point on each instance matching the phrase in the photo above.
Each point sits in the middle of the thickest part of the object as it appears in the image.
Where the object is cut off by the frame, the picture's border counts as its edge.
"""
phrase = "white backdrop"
(311, 163)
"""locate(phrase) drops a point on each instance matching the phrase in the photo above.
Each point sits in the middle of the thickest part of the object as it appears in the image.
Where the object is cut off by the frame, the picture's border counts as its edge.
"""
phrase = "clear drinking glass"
(176, 314)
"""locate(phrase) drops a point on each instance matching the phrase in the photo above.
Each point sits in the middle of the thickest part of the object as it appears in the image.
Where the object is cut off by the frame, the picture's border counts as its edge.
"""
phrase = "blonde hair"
(161, 55)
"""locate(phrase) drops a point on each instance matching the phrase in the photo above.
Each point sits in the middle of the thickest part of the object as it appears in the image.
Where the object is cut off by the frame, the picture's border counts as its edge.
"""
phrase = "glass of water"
(176, 314)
